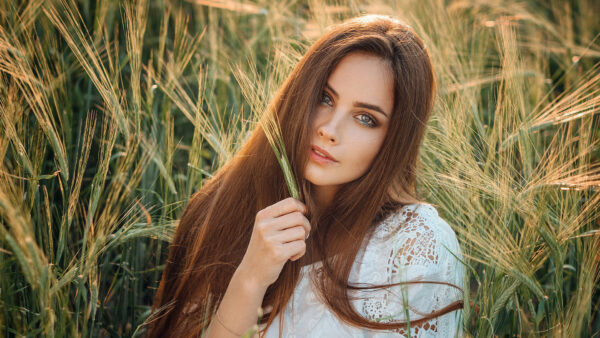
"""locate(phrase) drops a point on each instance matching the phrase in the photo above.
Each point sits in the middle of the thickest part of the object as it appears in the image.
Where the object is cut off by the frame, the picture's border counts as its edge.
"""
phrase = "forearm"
(238, 310)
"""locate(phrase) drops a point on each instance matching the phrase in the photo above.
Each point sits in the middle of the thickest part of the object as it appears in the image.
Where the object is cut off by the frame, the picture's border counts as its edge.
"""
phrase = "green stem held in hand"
(270, 125)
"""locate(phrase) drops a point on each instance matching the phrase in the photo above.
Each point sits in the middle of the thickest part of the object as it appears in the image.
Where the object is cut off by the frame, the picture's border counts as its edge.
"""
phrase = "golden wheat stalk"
(256, 91)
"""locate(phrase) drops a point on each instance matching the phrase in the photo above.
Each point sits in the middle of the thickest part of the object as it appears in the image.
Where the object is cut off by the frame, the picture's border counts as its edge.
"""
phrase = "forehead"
(362, 77)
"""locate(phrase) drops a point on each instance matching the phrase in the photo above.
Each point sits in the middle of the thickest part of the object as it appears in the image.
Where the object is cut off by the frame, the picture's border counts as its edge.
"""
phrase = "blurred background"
(112, 113)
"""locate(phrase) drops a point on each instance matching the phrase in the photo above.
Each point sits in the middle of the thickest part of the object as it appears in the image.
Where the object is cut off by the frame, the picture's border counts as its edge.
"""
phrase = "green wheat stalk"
(270, 125)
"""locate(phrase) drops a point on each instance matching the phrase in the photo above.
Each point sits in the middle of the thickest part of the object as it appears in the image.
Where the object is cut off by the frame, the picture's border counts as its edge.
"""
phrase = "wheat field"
(113, 112)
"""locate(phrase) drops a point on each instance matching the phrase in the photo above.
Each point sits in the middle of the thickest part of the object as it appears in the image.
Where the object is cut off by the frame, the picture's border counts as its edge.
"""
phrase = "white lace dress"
(414, 243)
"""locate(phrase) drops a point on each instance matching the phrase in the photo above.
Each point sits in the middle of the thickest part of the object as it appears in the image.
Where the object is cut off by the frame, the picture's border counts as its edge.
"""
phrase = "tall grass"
(113, 113)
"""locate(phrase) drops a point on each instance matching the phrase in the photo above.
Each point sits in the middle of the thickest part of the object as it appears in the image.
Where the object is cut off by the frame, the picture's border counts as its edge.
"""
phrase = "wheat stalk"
(270, 125)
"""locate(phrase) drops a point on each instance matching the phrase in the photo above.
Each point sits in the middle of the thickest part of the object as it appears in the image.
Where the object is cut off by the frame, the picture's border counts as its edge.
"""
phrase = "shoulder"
(414, 243)
(417, 232)
(421, 217)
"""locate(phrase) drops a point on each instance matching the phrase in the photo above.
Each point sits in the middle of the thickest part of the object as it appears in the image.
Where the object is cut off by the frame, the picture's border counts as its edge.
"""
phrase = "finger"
(295, 248)
(290, 234)
(291, 220)
(285, 206)
(273, 226)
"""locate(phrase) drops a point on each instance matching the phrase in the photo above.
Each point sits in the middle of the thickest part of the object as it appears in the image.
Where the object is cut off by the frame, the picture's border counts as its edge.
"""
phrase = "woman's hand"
(279, 234)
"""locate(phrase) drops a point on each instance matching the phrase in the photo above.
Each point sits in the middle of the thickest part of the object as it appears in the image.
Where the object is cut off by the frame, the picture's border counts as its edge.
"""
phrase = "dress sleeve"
(414, 245)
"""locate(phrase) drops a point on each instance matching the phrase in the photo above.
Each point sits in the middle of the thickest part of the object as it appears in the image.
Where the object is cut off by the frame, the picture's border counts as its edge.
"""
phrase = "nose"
(325, 134)
(327, 130)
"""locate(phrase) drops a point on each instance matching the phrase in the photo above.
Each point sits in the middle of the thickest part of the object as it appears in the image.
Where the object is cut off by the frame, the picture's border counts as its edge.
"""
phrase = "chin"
(324, 181)
(317, 182)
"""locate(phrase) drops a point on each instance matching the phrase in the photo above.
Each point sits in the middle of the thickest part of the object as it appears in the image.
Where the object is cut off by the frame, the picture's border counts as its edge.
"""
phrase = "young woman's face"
(351, 120)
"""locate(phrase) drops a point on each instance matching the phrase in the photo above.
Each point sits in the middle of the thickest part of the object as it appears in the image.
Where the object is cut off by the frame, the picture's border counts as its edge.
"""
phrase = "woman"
(362, 255)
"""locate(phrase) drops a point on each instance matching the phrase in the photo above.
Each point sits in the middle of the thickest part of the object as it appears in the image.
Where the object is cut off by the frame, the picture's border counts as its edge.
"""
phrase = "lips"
(323, 152)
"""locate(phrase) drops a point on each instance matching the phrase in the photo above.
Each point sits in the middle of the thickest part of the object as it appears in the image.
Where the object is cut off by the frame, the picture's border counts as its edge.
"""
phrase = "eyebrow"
(360, 104)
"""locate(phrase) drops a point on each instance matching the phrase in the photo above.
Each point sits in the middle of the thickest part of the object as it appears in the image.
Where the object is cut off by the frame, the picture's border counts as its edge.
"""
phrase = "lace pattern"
(412, 244)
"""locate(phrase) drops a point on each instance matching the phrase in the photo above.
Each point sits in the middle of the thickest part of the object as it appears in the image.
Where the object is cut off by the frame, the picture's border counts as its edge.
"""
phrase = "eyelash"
(373, 122)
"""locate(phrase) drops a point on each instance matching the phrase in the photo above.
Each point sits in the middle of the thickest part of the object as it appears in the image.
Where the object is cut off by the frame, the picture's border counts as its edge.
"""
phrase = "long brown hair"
(215, 228)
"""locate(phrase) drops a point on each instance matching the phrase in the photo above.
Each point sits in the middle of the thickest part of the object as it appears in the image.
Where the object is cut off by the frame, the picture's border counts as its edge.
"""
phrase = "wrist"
(248, 281)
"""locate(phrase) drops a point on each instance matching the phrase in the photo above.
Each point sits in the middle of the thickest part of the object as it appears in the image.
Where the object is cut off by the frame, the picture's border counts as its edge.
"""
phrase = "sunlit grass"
(112, 114)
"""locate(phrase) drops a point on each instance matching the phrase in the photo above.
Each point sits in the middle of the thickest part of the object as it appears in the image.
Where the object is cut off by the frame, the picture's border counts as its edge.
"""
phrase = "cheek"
(364, 152)
(317, 118)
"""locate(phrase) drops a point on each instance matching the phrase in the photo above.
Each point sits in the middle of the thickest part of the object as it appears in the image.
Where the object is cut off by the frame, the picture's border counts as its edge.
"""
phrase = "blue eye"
(364, 119)
(369, 121)
(326, 99)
